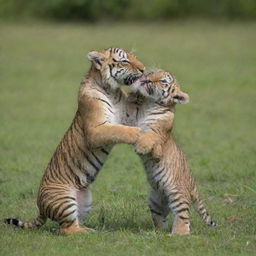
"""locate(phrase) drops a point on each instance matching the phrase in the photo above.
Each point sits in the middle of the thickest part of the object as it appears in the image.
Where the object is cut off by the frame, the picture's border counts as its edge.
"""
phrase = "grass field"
(41, 66)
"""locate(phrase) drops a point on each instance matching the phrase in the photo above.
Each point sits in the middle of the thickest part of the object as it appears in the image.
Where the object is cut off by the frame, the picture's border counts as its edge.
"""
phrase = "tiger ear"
(97, 58)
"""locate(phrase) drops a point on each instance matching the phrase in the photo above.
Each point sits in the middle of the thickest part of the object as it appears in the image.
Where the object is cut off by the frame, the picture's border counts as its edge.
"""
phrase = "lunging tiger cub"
(64, 194)
(172, 186)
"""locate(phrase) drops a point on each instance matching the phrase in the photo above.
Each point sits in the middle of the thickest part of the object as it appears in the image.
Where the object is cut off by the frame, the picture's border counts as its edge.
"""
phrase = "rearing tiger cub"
(64, 194)
(172, 186)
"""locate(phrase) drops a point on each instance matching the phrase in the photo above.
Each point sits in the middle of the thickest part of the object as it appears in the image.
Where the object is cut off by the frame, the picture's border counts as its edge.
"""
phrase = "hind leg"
(180, 208)
(159, 210)
(180, 225)
(72, 229)
(84, 200)
(59, 203)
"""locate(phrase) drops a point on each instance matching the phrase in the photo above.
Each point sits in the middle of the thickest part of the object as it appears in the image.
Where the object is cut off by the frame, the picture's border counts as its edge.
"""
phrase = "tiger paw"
(143, 145)
(131, 135)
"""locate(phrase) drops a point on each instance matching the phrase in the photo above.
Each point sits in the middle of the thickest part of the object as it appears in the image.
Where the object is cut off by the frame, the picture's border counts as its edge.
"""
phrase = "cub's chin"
(143, 92)
(135, 87)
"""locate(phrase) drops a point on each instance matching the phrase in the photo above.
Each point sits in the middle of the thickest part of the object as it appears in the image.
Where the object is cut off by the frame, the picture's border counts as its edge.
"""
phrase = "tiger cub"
(64, 195)
(172, 186)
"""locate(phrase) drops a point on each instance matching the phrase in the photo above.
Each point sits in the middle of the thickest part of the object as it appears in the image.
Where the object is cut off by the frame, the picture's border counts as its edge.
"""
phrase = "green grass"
(41, 66)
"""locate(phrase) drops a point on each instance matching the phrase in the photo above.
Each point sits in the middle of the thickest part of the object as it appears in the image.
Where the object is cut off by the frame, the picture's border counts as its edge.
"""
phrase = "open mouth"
(130, 79)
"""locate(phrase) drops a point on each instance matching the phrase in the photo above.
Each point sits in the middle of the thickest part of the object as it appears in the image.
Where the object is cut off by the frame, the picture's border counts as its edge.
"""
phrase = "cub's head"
(161, 87)
(116, 66)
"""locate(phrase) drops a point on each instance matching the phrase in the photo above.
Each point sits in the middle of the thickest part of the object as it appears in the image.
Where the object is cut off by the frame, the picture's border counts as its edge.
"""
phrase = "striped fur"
(64, 195)
(172, 185)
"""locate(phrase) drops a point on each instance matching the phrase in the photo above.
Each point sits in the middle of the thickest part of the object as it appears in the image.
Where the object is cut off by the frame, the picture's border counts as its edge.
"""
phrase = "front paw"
(132, 135)
(143, 146)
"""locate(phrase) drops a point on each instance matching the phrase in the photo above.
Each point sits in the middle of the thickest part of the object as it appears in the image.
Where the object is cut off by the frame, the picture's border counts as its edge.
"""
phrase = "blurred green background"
(208, 45)
(95, 10)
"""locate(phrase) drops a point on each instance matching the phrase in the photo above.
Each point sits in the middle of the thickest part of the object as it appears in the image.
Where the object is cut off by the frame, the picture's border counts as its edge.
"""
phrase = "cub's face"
(161, 87)
(117, 66)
